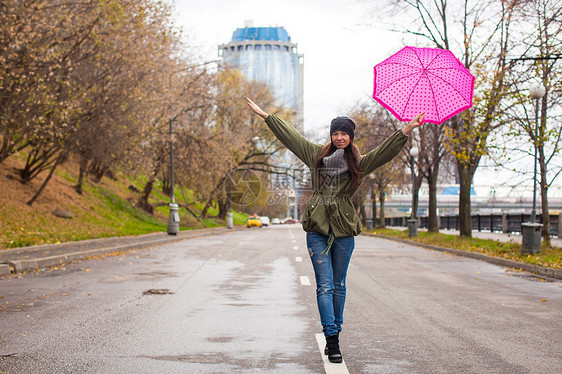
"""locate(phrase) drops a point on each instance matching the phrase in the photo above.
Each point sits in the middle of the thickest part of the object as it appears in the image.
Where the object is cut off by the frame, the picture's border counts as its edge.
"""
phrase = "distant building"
(267, 54)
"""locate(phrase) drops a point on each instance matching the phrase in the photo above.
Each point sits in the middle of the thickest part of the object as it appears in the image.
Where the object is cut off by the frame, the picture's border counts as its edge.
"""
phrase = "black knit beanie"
(344, 124)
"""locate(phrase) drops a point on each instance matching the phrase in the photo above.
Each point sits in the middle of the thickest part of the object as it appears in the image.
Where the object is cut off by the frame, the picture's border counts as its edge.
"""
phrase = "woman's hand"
(417, 121)
(256, 109)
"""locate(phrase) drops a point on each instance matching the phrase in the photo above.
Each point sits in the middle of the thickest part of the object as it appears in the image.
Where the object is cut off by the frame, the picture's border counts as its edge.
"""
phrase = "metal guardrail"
(505, 223)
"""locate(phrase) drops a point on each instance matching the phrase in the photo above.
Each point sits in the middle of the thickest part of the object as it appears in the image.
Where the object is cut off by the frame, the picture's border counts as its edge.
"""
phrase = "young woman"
(330, 219)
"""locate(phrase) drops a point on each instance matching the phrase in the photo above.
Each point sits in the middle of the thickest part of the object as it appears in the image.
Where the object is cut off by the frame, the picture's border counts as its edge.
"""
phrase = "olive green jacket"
(330, 206)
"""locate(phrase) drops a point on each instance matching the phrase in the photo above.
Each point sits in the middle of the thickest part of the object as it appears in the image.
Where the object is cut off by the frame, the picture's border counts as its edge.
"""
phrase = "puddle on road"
(158, 291)
(220, 339)
(153, 274)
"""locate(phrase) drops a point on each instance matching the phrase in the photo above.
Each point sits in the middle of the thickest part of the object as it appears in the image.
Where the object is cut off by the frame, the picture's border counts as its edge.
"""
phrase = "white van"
(264, 220)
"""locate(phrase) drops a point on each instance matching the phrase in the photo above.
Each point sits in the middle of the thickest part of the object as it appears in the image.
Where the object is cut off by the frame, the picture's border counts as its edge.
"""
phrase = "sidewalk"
(18, 260)
(536, 269)
(507, 238)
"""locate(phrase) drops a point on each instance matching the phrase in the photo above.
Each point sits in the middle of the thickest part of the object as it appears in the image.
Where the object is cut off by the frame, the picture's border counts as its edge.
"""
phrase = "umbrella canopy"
(429, 80)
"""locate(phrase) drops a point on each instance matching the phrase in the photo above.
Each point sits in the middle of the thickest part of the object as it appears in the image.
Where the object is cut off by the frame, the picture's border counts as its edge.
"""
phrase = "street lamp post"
(532, 230)
(174, 217)
(413, 221)
(537, 92)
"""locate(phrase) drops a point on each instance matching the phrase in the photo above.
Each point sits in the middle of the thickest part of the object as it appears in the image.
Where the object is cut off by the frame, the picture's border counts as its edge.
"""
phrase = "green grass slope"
(104, 209)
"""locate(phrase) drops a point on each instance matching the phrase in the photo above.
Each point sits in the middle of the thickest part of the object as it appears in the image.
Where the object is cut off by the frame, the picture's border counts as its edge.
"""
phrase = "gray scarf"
(335, 164)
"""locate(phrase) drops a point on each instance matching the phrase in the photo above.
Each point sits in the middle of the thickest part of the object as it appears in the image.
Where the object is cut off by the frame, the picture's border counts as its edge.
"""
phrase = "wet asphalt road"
(235, 303)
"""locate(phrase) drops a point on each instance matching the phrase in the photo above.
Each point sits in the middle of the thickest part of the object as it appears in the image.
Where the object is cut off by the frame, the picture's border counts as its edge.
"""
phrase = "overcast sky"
(341, 45)
(339, 49)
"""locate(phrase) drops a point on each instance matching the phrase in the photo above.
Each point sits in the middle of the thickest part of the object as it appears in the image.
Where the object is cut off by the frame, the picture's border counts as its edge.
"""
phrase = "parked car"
(253, 221)
(275, 221)
(292, 221)
(264, 220)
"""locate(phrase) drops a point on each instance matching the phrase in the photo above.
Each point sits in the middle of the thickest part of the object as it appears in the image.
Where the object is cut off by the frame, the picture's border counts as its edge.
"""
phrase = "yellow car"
(253, 221)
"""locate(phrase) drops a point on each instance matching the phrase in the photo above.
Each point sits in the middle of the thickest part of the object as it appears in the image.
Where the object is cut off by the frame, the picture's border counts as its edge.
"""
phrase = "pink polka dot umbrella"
(415, 80)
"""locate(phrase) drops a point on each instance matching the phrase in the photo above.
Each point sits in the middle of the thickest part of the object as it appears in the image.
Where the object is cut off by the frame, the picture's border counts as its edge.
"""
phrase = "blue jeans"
(330, 271)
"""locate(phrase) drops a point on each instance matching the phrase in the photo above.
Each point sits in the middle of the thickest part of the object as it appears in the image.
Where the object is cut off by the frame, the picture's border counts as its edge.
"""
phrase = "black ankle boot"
(333, 346)
(326, 348)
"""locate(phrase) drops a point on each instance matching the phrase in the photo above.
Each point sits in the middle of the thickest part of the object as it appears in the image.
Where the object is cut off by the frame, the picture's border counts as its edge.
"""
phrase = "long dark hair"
(351, 155)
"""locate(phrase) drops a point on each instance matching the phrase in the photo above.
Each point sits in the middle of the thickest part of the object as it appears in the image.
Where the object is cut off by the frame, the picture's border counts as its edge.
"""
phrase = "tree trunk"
(416, 195)
(363, 213)
(544, 199)
(81, 173)
(207, 206)
(40, 190)
(374, 202)
(166, 182)
(5, 148)
(382, 220)
(432, 224)
(97, 169)
(223, 208)
(38, 160)
(98, 175)
(10, 146)
(465, 219)
(149, 185)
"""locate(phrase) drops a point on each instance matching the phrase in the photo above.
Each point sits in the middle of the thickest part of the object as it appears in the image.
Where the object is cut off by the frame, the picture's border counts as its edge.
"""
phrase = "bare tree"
(539, 60)
(482, 40)
(72, 80)
(231, 139)
(431, 154)
(373, 127)
(185, 106)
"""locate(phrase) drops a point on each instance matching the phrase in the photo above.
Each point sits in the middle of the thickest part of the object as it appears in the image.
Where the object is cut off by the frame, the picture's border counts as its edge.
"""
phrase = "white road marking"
(298, 259)
(304, 280)
(295, 247)
(330, 367)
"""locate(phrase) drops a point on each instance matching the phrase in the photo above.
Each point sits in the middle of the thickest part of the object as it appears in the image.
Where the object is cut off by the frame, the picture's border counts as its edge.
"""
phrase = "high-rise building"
(267, 54)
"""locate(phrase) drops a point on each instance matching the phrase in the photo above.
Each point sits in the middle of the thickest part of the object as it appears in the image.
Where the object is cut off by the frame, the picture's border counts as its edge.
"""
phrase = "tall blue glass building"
(267, 54)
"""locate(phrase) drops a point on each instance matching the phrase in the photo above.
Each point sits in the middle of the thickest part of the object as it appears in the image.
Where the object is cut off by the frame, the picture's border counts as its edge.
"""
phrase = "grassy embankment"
(104, 209)
(549, 257)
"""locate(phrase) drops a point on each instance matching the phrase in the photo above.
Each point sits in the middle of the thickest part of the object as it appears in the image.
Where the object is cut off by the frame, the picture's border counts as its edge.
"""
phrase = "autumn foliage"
(80, 79)
(113, 86)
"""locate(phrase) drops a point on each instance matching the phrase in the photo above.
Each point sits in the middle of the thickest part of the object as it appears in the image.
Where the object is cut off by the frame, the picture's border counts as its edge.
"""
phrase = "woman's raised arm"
(417, 121)
(256, 109)
(288, 135)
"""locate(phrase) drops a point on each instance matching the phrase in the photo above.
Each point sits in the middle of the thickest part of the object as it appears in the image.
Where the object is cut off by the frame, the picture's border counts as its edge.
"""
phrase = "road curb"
(5, 269)
(536, 269)
(20, 266)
